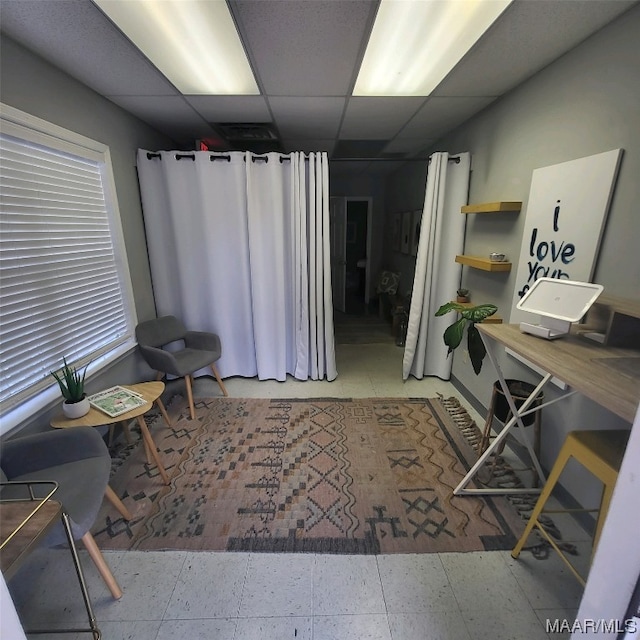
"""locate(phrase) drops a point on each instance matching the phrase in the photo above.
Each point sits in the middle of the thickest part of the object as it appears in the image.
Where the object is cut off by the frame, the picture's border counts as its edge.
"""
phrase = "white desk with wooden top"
(610, 376)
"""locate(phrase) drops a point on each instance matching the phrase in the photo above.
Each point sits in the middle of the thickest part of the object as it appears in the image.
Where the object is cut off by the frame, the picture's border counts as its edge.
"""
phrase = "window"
(64, 280)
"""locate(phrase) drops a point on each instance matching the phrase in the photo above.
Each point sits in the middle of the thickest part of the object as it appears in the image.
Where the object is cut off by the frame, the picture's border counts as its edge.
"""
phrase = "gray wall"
(585, 103)
(405, 192)
(36, 87)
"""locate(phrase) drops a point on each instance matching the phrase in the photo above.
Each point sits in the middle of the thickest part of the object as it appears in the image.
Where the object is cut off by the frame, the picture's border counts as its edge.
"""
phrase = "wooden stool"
(601, 453)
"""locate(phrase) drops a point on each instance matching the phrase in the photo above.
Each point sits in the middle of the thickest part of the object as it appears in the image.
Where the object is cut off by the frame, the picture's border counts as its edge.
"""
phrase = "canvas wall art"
(566, 215)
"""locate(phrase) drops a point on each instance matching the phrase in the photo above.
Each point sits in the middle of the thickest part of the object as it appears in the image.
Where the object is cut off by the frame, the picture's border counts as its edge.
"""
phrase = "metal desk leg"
(519, 413)
(93, 626)
(516, 419)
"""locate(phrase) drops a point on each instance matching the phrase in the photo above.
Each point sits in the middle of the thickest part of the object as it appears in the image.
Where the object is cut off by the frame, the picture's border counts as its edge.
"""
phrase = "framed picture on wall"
(396, 231)
(405, 242)
(416, 220)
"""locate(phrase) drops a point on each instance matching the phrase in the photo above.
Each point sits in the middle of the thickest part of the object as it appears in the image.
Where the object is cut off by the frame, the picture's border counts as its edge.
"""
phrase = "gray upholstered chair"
(196, 350)
(79, 461)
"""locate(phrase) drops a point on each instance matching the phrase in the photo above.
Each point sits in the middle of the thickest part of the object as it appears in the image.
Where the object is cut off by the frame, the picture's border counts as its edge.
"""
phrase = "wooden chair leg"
(219, 379)
(101, 565)
(192, 409)
(112, 497)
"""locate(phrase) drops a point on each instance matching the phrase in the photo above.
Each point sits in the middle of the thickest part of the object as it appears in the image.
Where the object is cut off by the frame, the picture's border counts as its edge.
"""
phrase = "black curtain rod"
(455, 159)
(266, 159)
(213, 158)
(258, 158)
(253, 159)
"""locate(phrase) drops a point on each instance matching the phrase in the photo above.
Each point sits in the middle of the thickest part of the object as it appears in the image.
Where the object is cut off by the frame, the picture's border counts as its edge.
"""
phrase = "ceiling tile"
(307, 117)
(526, 38)
(231, 108)
(378, 117)
(77, 37)
(304, 48)
(440, 115)
(167, 113)
(306, 55)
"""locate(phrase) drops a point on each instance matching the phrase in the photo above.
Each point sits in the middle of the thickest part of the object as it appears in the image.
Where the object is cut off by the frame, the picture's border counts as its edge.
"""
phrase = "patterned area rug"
(362, 476)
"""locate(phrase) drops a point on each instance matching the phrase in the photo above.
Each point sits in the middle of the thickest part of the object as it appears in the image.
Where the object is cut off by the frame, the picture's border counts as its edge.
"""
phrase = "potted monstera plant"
(71, 383)
(453, 336)
(468, 316)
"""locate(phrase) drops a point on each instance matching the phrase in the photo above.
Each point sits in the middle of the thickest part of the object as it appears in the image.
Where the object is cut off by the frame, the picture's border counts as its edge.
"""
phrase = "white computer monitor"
(558, 303)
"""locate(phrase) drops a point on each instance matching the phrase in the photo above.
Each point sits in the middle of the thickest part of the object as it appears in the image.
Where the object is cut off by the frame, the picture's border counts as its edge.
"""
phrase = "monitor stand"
(549, 328)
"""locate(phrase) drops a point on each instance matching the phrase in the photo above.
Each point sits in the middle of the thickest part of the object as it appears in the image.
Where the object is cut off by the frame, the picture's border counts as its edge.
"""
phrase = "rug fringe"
(504, 476)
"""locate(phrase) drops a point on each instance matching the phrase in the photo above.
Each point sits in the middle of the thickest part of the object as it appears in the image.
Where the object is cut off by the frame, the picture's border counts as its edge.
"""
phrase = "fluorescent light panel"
(415, 43)
(194, 43)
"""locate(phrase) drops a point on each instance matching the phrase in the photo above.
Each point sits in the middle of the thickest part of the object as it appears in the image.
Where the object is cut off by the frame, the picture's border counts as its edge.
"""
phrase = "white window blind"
(64, 289)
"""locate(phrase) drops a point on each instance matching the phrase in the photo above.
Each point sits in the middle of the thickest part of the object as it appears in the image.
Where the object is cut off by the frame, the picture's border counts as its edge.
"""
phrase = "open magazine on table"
(116, 401)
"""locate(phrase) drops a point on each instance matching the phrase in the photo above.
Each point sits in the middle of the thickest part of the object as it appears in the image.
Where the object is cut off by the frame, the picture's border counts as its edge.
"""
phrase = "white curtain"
(437, 275)
(238, 244)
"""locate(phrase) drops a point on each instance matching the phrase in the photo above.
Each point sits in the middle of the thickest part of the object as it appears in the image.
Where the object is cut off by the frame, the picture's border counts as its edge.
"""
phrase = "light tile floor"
(236, 596)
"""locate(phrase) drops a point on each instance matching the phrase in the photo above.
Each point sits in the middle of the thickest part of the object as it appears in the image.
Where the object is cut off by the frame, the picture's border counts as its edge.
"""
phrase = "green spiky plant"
(455, 332)
(71, 382)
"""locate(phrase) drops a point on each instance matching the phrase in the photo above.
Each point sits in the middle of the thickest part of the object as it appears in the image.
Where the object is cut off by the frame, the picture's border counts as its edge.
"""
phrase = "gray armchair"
(199, 349)
(79, 461)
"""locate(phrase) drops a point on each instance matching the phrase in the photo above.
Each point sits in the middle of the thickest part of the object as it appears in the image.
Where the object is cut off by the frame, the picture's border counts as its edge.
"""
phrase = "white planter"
(76, 409)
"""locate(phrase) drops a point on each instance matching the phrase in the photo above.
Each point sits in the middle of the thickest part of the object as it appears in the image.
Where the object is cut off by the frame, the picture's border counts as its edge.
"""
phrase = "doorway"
(355, 321)
(350, 253)
(356, 254)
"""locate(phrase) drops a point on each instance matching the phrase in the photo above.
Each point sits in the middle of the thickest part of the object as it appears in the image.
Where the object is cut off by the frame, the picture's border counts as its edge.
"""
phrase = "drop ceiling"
(305, 55)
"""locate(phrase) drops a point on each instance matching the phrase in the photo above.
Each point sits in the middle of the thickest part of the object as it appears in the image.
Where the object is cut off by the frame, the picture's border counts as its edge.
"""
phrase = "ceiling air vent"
(246, 132)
